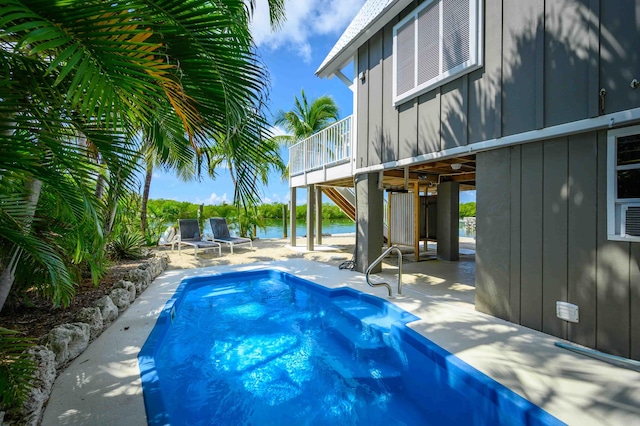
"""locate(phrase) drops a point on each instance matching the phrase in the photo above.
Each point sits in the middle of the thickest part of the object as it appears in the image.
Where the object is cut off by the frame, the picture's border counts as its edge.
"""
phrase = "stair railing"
(377, 261)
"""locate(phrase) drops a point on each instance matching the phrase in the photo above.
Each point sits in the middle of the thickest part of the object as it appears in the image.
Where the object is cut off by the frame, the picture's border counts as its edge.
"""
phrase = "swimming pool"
(266, 347)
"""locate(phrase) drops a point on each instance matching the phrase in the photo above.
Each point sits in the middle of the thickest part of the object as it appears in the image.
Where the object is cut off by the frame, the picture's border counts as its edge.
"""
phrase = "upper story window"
(623, 180)
(438, 42)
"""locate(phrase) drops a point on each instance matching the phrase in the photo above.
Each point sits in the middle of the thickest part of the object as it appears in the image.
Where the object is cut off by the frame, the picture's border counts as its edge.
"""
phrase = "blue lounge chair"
(190, 236)
(221, 234)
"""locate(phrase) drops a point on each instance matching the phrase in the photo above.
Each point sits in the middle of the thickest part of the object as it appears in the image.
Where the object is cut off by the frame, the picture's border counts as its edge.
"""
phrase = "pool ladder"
(378, 260)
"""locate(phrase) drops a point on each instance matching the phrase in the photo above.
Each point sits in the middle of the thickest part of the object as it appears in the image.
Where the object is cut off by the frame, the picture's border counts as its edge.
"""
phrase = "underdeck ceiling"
(429, 175)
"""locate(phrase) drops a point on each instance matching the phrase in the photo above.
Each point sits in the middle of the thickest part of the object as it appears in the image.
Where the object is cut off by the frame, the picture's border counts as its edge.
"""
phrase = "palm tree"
(164, 145)
(99, 69)
(306, 119)
(246, 171)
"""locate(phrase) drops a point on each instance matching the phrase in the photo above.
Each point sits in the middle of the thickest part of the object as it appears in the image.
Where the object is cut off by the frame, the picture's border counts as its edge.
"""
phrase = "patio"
(102, 386)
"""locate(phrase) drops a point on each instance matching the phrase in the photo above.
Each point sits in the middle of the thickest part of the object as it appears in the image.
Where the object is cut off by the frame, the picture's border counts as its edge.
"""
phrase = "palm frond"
(16, 368)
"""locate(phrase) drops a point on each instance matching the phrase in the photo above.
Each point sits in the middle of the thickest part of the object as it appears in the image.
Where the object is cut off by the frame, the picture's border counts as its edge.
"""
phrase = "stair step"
(372, 372)
(368, 314)
(361, 329)
(340, 201)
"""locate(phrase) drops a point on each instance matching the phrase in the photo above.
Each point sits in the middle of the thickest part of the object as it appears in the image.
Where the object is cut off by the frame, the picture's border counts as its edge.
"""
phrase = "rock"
(108, 310)
(147, 272)
(159, 263)
(45, 375)
(93, 317)
(67, 341)
(129, 286)
(140, 277)
(120, 297)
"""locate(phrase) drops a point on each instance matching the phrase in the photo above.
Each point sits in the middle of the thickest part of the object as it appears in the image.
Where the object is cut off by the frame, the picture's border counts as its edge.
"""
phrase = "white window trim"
(613, 202)
(475, 53)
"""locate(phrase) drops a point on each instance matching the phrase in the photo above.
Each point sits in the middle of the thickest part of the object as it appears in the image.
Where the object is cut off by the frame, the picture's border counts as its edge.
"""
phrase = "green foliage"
(271, 211)
(126, 240)
(301, 212)
(468, 209)
(155, 227)
(331, 211)
(245, 220)
(66, 235)
(307, 118)
(17, 368)
(126, 244)
(73, 95)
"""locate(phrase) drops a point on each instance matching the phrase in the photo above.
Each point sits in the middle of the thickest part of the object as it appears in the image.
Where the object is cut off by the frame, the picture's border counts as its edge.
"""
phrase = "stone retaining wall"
(66, 342)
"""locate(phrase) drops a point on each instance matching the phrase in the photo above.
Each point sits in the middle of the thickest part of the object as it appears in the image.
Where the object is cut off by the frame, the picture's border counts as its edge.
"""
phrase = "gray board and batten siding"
(541, 206)
(544, 64)
(542, 237)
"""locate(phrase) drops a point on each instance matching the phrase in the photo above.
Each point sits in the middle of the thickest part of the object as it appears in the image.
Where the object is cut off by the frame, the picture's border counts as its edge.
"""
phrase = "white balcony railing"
(328, 147)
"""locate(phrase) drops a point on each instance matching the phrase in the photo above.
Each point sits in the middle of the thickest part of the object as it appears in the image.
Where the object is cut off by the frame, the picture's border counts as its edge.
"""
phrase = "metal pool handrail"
(378, 260)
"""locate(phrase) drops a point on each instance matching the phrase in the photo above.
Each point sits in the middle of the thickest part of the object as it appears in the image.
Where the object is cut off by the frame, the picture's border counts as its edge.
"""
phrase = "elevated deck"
(323, 157)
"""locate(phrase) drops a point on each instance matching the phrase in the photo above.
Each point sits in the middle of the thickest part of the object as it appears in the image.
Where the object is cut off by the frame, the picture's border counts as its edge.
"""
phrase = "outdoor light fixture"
(456, 166)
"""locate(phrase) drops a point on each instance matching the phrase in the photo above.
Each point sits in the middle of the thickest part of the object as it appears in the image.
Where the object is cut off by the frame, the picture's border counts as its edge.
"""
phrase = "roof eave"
(347, 53)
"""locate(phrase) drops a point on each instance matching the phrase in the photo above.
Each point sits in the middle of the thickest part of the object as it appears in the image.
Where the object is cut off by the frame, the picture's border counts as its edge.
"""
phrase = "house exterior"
(536, 105)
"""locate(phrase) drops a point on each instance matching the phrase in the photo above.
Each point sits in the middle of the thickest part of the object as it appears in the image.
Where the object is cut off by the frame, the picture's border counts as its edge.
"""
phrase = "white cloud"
(276, 198)
(304, 19)
(214, 199)
(277, 131)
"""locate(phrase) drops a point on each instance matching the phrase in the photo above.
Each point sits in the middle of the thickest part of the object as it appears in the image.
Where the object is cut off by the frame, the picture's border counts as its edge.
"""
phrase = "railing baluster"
(328, 146)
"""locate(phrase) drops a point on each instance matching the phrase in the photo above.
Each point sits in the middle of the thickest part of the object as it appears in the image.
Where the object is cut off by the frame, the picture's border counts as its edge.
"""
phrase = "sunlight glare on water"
(267, 350)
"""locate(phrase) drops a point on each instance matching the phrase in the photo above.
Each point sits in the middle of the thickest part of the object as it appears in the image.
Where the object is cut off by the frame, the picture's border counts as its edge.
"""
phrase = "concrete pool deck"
(103, 387)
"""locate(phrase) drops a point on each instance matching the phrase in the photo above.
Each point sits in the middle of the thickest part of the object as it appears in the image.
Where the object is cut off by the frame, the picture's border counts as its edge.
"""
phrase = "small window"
(623, 197)
(438, 42)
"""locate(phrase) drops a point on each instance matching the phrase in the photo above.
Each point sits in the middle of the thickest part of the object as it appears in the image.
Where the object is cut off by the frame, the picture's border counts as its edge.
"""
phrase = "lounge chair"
(190, 236)
(221, 234)
(169, 237)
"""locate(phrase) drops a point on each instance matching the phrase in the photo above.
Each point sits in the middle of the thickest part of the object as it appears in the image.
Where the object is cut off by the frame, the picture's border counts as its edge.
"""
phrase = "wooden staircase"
(348, 208)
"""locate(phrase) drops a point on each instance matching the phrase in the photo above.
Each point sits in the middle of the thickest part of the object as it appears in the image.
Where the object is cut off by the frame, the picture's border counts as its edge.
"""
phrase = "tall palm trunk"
(8, 275)
(115, 186)
(145, 198)
(99, 192)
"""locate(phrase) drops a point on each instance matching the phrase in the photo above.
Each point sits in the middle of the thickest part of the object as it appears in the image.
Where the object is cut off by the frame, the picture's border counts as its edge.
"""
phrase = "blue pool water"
(268, 348)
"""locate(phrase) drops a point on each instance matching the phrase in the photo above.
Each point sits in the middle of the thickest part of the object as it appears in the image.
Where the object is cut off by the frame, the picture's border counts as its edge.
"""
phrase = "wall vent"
(567, 311)
(631, 220)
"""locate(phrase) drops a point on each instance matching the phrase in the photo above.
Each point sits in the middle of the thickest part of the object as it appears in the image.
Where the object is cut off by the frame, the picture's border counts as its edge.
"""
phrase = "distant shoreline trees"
(171, 211)
(468, 209)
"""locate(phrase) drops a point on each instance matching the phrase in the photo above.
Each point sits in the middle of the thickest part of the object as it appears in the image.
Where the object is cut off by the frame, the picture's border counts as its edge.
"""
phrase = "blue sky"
(292, 55)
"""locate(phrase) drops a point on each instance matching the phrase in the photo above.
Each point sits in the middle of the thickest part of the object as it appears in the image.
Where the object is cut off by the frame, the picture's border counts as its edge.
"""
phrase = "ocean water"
(274, 228)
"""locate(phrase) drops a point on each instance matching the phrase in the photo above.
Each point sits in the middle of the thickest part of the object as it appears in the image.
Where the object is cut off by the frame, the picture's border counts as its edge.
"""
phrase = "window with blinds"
(439, 41)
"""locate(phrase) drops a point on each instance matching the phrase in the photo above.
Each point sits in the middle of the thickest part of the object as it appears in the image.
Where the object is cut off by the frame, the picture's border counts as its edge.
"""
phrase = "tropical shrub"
(17, 368)
(126, 244)
(80, 80)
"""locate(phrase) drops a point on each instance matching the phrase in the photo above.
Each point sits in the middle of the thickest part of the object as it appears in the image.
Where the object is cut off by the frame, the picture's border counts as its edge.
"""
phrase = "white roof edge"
(374, 15)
